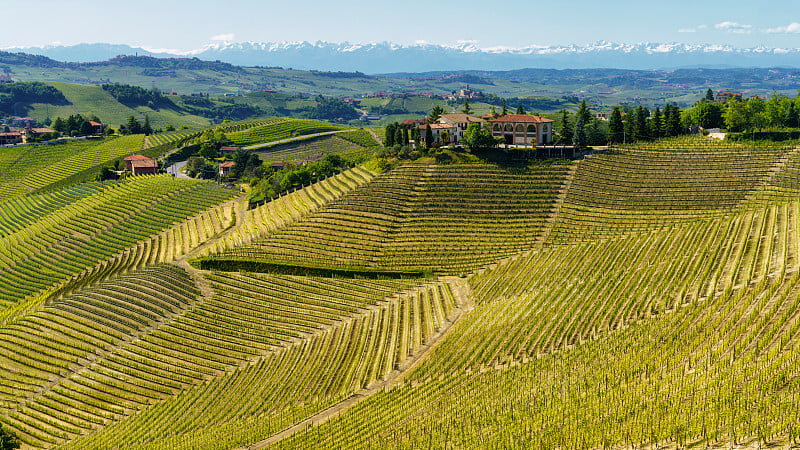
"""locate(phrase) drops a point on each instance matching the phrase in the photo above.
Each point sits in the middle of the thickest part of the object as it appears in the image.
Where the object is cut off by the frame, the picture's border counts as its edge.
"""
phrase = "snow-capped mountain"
(388, 57)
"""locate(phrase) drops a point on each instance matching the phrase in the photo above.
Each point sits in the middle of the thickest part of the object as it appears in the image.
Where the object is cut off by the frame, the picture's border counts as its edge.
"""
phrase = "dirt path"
(463, 296)
(562, 195)
(374, 136)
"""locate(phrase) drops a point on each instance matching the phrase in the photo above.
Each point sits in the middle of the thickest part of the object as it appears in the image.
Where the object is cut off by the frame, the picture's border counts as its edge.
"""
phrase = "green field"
(644, 296)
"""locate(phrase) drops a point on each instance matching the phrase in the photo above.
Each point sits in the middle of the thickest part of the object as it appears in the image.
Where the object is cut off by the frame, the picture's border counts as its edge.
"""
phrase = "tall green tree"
(565, 131)
(398, 135)
(477, 137)
(493, 112)
(673, 121)
(579, 139)
(406, 137)
(756, 111)
(428, 137)
(520, 110)
(640, 129)
(736, 118)
(146, 128)
(582, 118)
(388, 140)
(627, 121)
(709, 95)
(435, 114)
(505, 109)
(616, 129)
(656, 125)
(466, 109)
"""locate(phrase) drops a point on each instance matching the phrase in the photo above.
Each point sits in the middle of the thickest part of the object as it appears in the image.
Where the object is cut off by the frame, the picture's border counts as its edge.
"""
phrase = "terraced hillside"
(29, 169)
(651, 185)
(605, 303)
(278, 130)
(446, 218)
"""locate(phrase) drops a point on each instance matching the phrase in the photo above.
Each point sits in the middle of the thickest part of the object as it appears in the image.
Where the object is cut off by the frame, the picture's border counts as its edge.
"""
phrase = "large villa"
(514, 129)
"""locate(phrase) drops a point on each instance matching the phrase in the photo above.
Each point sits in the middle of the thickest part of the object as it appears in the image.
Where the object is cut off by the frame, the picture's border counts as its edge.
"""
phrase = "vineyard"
(38, 167)
(278, 130)
(644, 296)
(297, 151)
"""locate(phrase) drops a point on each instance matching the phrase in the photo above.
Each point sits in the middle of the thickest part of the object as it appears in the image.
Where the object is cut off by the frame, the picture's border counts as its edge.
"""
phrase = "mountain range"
(388, 57)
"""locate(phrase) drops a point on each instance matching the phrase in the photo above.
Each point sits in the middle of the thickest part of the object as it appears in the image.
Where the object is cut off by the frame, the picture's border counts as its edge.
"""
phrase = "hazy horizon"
(182, 26)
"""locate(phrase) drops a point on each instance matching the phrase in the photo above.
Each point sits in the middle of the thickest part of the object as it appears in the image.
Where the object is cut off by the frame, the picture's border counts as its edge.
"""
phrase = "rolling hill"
(642, 296)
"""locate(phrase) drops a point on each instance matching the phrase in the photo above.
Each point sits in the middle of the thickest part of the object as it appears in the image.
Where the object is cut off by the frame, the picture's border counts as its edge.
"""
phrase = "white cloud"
(687, 30)
(793, 27)
(227, 37)
(733, 27)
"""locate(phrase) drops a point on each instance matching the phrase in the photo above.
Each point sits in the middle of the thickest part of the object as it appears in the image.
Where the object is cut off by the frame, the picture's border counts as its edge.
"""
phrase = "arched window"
(496, 127)
(531, 129)
(509, 127)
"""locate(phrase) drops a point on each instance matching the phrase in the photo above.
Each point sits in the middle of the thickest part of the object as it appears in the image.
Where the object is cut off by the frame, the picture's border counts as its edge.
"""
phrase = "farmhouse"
(460, 122)
(225, 168)
(10, 138)
(436, 131)
(141, 165)
(33, 133)
(522, 129)
(97, 127)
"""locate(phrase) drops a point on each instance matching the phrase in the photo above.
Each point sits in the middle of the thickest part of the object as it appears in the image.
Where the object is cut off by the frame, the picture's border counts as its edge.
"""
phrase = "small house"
(144, 167)
(225, 168)
(436, 132)
(10, 138)
(140, 165)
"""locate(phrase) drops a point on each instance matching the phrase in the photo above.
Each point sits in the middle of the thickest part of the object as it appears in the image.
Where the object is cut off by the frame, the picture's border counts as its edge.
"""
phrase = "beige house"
(460, 122)
(436, 131)
(523, 129)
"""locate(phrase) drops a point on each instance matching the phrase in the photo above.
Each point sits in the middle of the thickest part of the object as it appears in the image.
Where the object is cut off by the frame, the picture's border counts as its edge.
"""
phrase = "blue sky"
(186, 25)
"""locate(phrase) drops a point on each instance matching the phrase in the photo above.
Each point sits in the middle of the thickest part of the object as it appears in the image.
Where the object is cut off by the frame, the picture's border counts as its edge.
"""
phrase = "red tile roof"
(227, 164)
(522, 118)
(438, 126)
(95, 124)
(139, 158)
(413, 121)
(228, 149)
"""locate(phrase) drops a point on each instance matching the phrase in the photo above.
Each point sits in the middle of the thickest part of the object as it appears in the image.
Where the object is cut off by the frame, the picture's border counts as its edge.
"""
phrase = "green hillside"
(88, 100)
(644, 296)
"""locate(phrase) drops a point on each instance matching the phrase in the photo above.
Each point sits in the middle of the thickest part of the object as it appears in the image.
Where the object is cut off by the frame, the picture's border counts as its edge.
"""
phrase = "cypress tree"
(146, 128)
(640, 131)
(505, 109)
(579, 138)
(389, 136)
(520, 110)
(565, 132)
(674, 123)
(628, 122)
(655, 124)
(428, 137)
(398, 135)
(466, 109)
(406, 138)
(709, 95)
(616, 128)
